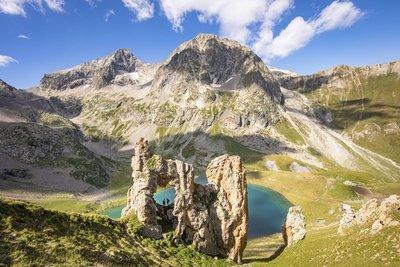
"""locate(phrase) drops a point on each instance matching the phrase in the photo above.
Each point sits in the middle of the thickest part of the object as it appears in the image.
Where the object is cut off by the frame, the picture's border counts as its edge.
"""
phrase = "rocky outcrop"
(373, 216)
(347, 217)
(97, 73)
(296, 167)
(272, 166)
(6, 91)
(140, 195)
(231, 208)
(4, 87)
(31, 143)
(294, 227)
(336, 77)
(212, 217)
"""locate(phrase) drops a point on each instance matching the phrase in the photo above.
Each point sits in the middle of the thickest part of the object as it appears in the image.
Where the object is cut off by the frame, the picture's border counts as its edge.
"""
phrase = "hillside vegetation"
(364, 106)
(33, 236)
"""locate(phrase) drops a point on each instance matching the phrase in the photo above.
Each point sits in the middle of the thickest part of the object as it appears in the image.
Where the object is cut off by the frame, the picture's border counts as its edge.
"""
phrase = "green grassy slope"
(367, 109)
(326, 248)
(33, 236)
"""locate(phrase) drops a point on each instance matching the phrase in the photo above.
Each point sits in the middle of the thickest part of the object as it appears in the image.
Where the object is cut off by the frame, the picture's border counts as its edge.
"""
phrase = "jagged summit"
(6, 87)
(97, 73)
(204, 41)
(6, 90)
(220, 63)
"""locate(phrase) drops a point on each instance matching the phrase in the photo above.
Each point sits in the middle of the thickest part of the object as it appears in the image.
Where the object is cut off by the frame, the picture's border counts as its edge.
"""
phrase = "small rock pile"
(381, 215)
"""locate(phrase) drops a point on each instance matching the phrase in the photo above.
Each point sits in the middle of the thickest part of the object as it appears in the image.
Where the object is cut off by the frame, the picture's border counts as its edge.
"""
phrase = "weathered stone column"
(140, 195)
(231, 207)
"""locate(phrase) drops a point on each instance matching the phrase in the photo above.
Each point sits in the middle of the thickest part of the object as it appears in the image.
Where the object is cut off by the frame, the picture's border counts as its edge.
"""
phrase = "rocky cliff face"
(372, 216)
(228, 175)
(6, 89)
(215, 79)
(335, 78)
(97, 73)
(219, 63)
(214, 217)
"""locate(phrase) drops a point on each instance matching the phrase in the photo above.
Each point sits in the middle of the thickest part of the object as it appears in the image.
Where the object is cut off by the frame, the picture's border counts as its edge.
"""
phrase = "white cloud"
(234, 16)
(253, 22)
(23, 36)
(17, 7)
(143, 9)
(339, 14)
(109, 14)
(5, 60)
(295, 36)
(56, 5)
(92, 3)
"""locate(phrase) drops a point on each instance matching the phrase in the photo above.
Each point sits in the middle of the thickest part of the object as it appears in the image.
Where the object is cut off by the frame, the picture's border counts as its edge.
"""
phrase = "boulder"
(347, 218)
(372, 215)
(294, 227)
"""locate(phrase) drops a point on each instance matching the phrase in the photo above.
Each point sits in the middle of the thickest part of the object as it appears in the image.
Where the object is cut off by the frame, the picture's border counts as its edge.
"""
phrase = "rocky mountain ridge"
(97, 73)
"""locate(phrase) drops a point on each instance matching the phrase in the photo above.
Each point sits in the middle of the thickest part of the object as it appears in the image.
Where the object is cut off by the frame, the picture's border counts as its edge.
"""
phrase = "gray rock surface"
(294, 227)
(373, 215)
(221, 63)
(98, 73)
(334, 77)
(272, 166)
(296, 167)
(6, 89)
(228, 175)
(37, 144)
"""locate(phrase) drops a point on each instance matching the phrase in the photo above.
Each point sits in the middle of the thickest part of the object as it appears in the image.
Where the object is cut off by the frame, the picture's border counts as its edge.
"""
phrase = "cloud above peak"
(143, 9)
(6, 60)
(252, 22)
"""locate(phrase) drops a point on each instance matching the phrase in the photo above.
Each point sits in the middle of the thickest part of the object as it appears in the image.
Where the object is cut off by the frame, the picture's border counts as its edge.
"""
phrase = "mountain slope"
(31, 235)
(361, 102)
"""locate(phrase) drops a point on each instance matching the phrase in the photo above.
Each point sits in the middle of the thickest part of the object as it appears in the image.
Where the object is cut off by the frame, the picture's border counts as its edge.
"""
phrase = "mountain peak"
(122, 53)
(98, 73)
(204, 41)
(220, 63)
(6, 87)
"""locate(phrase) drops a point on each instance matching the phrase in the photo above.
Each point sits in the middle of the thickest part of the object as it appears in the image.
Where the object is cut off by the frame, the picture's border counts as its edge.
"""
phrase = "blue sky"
(303, 36)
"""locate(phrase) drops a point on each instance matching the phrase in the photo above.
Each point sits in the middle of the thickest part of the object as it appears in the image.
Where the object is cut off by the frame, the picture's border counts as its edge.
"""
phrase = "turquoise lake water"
(267, 208)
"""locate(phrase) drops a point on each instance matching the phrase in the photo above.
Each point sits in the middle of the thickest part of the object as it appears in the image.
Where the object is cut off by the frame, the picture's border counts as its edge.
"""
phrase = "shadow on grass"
(266, 259)
(195, 147)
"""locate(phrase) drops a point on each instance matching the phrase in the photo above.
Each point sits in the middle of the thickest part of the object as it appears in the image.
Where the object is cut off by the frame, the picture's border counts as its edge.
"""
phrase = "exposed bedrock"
(294, 227)
(372, 216)
(212, 217)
